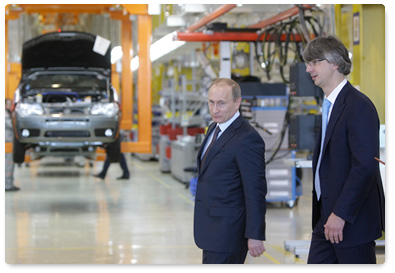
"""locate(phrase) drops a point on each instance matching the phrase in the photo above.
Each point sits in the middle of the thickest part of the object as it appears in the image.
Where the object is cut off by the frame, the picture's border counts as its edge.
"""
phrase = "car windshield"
(74, 82)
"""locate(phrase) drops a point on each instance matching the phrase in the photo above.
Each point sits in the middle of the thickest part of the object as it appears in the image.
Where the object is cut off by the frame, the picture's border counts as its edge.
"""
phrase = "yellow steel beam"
(119, 15)
(144, 81)
(137, 9)
(127, 77)
(8, 147)
(119, 12)
(11, 12)
(13, 79)
(136, 147)
(65, 8)
(6, 57)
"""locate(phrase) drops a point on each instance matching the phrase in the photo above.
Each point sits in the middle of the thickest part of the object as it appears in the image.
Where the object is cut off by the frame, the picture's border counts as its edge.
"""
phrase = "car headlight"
(29, 109)
(105, 109)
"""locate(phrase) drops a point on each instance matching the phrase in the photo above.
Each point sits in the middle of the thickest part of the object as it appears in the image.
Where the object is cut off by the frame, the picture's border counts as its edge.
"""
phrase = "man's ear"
(238, 102)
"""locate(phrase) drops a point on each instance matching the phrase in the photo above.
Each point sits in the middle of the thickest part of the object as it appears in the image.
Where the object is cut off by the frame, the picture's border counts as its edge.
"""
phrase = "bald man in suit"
(230, 203)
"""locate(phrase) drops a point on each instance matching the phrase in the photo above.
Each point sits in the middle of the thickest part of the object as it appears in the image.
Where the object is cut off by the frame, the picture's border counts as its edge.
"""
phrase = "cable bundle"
(279, 40)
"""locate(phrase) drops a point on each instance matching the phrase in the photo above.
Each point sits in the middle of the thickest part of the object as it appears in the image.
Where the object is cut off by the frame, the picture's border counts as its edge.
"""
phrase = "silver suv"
(65, 104)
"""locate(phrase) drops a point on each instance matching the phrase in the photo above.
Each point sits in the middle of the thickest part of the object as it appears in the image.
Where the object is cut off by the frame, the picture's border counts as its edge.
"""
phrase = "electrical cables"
(278, 43)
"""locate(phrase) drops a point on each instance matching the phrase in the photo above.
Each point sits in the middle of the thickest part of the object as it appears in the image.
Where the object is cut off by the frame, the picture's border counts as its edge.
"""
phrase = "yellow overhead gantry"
(118, 12)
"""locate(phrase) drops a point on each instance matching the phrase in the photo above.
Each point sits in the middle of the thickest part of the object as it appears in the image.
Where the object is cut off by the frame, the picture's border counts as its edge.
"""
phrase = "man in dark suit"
(230, 203)
(348, 197)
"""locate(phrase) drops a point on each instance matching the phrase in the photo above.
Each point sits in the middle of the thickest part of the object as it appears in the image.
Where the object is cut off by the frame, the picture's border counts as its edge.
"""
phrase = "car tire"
(18, 151)
(114, 151)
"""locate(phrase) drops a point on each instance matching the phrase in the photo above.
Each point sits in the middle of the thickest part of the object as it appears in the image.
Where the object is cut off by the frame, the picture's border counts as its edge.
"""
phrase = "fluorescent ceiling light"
(164, 46)
(116, 54)
(158, 49)
(154, 9)
(134, 63)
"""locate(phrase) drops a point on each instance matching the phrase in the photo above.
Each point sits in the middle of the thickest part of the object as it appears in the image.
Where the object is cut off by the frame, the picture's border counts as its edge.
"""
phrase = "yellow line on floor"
(159, 180)
(271, 258)
(139, 166)
(185, 198)
(287, 253)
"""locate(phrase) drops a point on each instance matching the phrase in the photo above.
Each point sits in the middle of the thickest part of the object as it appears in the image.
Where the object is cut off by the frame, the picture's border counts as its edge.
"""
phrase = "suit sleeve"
(250, 157)
(362, 137)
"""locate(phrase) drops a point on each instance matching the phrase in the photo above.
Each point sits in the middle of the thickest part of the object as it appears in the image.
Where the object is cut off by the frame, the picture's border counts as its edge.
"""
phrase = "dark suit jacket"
(230, 203)
(349, 175)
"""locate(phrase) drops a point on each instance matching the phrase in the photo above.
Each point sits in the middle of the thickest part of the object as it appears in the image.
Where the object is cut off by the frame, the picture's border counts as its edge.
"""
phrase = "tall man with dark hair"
(348, 198)
(230, 203)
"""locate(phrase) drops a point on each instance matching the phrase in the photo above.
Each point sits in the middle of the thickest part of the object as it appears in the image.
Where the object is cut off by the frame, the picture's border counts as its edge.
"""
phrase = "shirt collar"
(225, 125)
(332, 97)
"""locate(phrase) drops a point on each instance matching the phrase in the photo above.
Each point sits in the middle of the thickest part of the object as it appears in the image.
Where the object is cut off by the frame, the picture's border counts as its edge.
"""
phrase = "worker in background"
(230, 203)
(348, 197)
(122, 163)
(9, 137)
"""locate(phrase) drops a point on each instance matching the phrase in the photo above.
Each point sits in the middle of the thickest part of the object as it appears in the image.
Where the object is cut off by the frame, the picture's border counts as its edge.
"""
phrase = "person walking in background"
(348, 197)
(9, 137)
(122, 163)
(230, 204)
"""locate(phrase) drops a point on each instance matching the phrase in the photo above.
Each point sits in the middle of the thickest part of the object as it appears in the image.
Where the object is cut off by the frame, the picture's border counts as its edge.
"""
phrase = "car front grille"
(67, 121)
(67, 134)
(68, 111)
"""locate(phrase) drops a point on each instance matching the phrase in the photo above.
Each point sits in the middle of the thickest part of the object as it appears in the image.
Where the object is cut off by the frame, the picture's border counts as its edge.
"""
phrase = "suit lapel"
(199, 156)
(316, 152)
(338, 108)
(222, 140)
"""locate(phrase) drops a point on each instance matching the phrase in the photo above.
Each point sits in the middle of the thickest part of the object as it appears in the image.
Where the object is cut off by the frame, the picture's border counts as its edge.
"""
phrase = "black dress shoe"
(98, 176)
(13, 188)
(123, 177)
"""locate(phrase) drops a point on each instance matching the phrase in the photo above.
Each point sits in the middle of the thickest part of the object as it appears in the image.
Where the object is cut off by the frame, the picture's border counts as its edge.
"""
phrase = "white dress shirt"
(223, 127)
(333, 96)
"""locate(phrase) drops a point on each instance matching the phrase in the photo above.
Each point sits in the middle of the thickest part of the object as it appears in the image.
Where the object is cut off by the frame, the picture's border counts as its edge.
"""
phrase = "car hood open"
(64, 49)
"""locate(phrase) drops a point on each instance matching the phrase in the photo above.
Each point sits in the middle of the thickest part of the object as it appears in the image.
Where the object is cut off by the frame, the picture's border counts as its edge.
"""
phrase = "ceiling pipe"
(227, 36)
(207, 19)
(190, 36)
(279, 17)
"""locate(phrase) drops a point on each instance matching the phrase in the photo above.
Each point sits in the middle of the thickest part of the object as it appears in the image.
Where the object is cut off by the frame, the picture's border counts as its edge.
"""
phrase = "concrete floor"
(64, 215)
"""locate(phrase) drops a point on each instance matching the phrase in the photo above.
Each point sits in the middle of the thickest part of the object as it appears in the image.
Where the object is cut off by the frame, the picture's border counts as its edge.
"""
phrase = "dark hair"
(236, 90)
(331, 49)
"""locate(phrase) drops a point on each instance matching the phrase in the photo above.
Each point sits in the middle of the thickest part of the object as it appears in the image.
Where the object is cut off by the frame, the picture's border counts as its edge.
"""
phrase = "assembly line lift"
(117, 12)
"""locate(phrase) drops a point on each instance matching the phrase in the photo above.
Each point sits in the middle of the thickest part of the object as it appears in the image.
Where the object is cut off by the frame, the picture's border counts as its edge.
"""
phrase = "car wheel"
(114, 151)
(18, 151)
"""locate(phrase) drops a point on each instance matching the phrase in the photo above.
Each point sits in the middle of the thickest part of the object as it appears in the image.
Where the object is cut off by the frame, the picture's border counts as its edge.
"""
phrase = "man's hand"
(334, 228)
(255, 247)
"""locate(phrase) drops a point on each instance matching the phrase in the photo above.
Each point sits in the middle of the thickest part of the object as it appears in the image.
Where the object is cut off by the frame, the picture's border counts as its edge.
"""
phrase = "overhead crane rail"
(282, 34)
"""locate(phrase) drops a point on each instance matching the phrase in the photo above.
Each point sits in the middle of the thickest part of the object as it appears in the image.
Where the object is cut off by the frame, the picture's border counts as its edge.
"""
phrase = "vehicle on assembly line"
(65, 104)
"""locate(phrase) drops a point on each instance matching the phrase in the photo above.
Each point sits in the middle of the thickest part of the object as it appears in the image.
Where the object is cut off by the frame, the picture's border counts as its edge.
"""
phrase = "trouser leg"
(106, 165)
(9, 171)
(124, 166)
(212, 257)
(362, 254)
(322, 251)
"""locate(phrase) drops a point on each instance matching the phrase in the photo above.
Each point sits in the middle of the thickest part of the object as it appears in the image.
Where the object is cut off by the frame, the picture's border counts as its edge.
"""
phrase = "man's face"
(221, 104)
(321, 72)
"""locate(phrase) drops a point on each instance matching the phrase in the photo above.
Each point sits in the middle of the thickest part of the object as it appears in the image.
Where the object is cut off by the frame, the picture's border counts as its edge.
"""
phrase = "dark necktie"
(216, 132)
